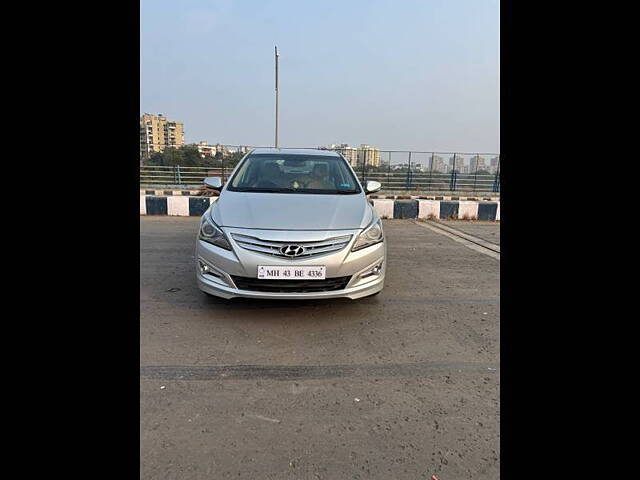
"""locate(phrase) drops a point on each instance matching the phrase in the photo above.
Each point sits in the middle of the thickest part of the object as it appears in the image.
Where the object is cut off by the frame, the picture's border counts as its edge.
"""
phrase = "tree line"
(188, 156)
(385, 168)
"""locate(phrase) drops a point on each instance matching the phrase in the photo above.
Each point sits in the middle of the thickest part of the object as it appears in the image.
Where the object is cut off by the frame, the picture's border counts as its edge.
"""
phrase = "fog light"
(374, 271)
(211, 271)
(204, 268)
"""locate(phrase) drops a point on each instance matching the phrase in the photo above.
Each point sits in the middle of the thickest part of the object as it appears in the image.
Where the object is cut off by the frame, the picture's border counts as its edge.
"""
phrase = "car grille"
(273, 248)
(291, 286)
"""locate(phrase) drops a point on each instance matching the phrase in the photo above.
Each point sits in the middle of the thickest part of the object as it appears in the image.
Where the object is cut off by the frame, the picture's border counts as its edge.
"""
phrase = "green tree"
(156, 159)
(232, 159)
(191, 157)
(184, 156)
(173, 157)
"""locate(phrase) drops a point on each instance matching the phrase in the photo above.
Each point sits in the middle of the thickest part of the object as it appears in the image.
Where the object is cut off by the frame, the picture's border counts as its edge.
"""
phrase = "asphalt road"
(404, 385)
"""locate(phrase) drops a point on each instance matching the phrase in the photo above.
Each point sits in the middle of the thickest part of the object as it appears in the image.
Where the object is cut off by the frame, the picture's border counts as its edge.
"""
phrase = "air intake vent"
(291, 286)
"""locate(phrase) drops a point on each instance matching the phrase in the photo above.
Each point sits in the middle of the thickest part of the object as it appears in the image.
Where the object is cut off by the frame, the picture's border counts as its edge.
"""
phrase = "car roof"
(295, 151)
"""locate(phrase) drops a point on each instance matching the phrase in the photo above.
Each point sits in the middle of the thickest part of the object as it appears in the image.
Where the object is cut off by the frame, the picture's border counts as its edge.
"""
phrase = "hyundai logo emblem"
(292, 250)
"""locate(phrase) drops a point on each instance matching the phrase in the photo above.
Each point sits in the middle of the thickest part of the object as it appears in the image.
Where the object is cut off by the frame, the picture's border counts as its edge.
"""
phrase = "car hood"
(284, 211)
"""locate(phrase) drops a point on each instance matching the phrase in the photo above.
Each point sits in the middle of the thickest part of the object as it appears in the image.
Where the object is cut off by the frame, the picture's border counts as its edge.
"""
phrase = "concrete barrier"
(384, 207)
(428, 209)
(174, 205)
(184, 206)
(468, 210)
(489, 197)
(178, 206)
(405, 209)
(449, 209)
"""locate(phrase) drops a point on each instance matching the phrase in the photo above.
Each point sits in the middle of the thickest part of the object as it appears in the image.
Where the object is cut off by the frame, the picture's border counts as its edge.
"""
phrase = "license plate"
(291, 273)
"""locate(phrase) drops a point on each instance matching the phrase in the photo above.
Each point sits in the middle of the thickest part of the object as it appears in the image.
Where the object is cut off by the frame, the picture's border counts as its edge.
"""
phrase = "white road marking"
(474, 239)
(464, 241)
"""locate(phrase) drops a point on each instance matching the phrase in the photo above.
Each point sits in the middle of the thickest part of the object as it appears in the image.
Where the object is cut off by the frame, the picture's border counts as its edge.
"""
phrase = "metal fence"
(178, 176)
(395, 170)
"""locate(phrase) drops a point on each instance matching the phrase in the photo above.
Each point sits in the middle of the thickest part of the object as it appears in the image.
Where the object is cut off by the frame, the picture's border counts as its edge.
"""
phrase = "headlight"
(210, 233)
(370, 236)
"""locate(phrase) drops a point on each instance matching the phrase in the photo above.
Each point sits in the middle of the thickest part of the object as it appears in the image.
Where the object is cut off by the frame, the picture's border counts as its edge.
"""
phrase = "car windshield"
(290, 173)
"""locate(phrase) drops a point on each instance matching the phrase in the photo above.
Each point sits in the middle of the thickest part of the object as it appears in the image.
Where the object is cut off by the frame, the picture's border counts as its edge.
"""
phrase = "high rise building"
(477, 163)
(349, 153)
(437, 164)
(356, 155)
(457, 162)
(158, 133)
(368, 155)
(461, 167)
(494, 162)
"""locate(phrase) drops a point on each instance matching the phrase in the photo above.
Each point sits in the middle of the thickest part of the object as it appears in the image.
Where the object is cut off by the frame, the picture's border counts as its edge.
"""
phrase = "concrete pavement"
(402, 385)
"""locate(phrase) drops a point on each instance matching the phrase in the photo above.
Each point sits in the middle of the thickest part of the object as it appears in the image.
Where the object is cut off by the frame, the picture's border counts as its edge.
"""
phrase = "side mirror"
(372, 187)
(213, 182)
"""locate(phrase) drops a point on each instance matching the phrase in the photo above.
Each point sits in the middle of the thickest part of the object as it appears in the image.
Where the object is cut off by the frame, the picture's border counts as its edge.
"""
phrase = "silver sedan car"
(291, 224)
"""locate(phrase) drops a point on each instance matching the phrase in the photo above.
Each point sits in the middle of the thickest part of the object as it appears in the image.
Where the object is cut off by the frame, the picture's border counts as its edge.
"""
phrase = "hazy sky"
(397, 74)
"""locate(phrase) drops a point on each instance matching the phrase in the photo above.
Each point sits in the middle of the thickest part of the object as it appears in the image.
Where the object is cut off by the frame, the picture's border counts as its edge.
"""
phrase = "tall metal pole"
(277, 57)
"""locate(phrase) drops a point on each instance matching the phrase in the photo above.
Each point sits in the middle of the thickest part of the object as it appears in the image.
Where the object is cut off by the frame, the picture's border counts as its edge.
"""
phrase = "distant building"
(206, 150)
(158, 133)
(356, 155)
(437, 164)
(400, 166)
(368, 155)
(477, 163)
(495, 161)
(458, 161)
(349, 153)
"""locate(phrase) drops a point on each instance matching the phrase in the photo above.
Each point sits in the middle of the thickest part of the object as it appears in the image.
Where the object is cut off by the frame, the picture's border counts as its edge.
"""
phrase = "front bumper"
(223, 265)
(227, 292)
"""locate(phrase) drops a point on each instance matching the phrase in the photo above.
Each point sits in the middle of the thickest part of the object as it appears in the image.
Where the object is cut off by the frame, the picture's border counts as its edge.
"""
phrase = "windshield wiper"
(265, 190)
(294, 190)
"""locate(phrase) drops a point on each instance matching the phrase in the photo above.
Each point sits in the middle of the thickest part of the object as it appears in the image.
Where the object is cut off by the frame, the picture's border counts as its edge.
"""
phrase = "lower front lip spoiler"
(358, 291)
